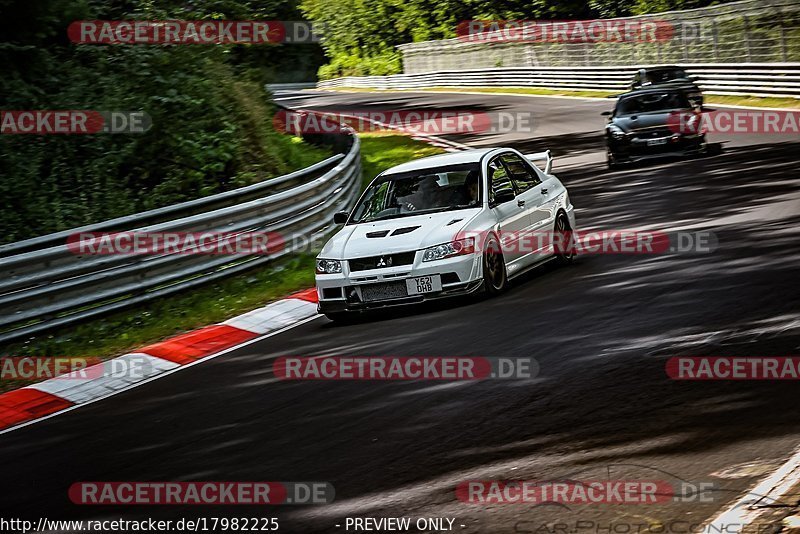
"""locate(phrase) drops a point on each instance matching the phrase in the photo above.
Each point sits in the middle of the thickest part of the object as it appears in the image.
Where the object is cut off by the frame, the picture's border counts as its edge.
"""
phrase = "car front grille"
(652, 134)
(381, 262)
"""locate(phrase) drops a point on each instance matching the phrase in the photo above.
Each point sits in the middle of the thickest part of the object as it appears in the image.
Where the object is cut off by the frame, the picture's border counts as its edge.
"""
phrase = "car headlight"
(328, 266)
(454, 248)
(616, 132)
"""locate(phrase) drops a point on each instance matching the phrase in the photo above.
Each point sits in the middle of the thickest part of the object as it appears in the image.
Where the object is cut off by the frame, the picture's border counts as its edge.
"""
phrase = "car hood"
(397, 235)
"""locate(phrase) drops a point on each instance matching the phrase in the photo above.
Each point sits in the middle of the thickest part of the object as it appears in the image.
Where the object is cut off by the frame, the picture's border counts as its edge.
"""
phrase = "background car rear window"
(652, 102)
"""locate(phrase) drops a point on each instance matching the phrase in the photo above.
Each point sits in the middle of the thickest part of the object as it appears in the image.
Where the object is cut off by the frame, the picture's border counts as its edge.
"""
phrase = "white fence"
(752, 31)
(758, 79)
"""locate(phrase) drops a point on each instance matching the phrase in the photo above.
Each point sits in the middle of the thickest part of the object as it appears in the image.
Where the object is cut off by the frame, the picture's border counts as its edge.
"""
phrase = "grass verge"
(124, 331)
(381, 151)
(753, 101)
(455, 89)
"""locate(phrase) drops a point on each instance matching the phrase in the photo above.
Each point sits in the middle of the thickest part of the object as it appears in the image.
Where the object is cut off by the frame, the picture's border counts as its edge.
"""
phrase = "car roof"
(663, 67)
(444, 160)
(658, 88)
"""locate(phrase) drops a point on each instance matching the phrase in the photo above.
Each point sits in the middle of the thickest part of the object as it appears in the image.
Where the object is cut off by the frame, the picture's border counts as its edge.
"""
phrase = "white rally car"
(440, 226)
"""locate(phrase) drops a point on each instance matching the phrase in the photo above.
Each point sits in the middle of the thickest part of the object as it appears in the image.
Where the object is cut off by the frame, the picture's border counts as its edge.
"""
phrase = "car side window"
(521, 174)
(498, 179)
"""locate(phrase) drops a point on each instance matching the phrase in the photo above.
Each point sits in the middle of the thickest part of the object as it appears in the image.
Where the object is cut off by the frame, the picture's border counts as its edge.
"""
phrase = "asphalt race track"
(602, 329)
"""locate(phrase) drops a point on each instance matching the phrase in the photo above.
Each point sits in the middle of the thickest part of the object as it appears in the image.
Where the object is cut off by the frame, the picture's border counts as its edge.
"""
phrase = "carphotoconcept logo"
(643, 526)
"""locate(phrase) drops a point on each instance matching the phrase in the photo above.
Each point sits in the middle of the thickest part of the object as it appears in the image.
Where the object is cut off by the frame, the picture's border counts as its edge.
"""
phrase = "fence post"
(784, 51)
(684, 44)
(746, 23)
(714, 38)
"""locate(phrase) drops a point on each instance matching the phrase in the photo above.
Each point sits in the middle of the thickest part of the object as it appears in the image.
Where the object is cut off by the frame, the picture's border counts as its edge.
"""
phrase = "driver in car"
(424, 197)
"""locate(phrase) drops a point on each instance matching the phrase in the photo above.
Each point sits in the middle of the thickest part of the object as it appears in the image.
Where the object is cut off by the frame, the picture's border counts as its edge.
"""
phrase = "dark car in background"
(654, 122)
(667, 75)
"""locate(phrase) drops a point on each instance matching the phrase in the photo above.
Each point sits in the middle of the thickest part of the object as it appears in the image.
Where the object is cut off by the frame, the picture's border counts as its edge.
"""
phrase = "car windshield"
(666, 75)
(652, 103)
(422, 191)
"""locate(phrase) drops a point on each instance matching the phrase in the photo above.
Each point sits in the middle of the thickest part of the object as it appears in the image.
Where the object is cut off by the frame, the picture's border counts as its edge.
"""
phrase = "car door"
(512, 216)
(534, 196)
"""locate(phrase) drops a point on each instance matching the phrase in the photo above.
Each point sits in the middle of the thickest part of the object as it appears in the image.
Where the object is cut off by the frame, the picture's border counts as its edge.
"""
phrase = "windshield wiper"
(381, 218)
(406, 214)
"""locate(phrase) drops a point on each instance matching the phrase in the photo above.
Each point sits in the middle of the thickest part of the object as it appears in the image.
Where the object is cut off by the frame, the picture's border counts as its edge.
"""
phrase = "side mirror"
(606, 114)
(340, 217)
(504, 195)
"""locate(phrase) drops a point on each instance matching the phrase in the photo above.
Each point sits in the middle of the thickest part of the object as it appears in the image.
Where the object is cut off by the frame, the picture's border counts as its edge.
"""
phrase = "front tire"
(611, 161)
(494, 268)
(562, 227)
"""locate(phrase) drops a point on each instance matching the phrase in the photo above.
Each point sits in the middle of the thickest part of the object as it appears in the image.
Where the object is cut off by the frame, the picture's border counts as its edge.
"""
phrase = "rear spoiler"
(542, 156)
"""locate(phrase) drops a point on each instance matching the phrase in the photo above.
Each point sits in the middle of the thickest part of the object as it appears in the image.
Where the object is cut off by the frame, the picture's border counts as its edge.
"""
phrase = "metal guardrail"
(758, 79)
(44, 284)
(752, 31)
(290, 86)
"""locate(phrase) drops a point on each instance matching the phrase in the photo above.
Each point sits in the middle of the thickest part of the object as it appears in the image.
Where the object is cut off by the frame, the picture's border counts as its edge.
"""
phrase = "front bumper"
(342, 291)
(639, 149)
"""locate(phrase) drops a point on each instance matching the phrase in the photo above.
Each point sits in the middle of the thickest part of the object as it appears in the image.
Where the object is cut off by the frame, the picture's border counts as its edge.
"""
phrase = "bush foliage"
(211, 116)
(360, 35)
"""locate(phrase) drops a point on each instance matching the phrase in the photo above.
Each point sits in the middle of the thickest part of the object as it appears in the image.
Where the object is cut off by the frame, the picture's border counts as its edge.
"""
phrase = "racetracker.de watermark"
(146, 243)
(579, 492)
(592, 242)
(735, 121)
(733, 368)
(268, 243)
(192, 32)
(421, 121)
(404, 368)
(565, 31)
(73, 122)
(201, 493)
(135, 366)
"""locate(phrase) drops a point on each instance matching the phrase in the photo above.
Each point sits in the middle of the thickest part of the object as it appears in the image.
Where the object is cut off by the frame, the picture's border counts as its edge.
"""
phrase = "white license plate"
(424, 284)
(391, 290)
(653, 142)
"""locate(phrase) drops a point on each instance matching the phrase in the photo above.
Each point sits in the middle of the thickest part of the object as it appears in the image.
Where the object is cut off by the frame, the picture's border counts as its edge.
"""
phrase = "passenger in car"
(467, 193)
